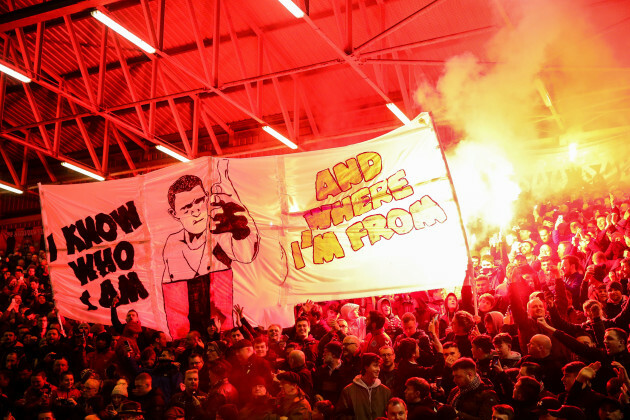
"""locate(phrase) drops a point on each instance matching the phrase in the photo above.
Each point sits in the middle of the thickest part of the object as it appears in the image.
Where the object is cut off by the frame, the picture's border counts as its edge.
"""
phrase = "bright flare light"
(572, 151)
(280, 137)
(485, 185)
(83, 171)
(293, 8)
(116, 27)
(398, 113)
(17, 75)
(9, 188)
(172, 153)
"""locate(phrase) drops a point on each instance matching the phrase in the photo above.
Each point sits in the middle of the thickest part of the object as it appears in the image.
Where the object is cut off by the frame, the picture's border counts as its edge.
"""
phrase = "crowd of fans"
(538, 331)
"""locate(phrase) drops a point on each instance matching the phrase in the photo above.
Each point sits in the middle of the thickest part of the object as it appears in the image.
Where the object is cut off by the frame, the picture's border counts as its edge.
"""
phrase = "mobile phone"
(495, 360)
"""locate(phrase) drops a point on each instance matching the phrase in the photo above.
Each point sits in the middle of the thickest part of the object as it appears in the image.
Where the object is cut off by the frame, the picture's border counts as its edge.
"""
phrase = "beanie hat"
(120, 389)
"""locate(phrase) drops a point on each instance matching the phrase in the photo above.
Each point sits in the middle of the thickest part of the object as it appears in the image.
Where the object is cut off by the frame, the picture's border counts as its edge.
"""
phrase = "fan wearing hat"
(248, 366)
(131, 410)
(291, 401)
(119, 397)
(330, 378)
(261, 405)
(365, 397)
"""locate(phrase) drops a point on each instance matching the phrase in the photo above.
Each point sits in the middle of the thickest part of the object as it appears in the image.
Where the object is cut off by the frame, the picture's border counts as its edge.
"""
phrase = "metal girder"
(48, 10)
(398, 25)
(7, 161)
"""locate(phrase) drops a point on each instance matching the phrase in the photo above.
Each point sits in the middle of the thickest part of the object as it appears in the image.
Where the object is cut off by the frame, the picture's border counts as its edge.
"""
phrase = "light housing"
(293, 8)
(280, 137)
(10, 188)
(83, 171)
(398, 113)
(172, 153)
(124, 32)
(15, 74)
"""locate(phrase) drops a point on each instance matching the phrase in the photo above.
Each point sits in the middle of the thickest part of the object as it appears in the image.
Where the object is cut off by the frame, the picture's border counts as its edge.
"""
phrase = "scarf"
(474, 384)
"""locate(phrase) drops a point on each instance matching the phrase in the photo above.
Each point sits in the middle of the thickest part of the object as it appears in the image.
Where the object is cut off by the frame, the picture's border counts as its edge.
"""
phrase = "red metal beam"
(208, 124)
(7, 161)
(132, 91)
(42, 159)
(348, 45)
(79, 55)
(426, 42)
(86, 138)
(195, 128)
(178, 121)
(124, 151)
(24, 166)
(426, 8)
(45, 11)
(105, 162)
(216, 41)
(102, 67)
(39, 44)
(198, 39)
(307, 109)
(259, 83)
(239, 55)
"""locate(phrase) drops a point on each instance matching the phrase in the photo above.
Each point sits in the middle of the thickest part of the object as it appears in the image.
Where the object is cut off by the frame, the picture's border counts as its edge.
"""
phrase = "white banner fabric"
(183, 244)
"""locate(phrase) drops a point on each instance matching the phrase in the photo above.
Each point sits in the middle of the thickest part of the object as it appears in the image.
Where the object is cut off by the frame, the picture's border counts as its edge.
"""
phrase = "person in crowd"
(261, 404)
(193, 401)
(221, 391)
(389, 372)
(331, 377)
(471, 397)
(247, 366)
(365, 398)
(420, 404)
(151, 399)
(397, 410)
(291, 402)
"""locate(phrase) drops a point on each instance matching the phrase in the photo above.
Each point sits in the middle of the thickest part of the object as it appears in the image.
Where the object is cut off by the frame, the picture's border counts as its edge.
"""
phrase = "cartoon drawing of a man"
(216, 230)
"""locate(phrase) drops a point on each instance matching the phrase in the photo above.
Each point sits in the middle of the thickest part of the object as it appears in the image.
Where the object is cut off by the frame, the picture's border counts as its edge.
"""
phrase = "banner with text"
(183, 244)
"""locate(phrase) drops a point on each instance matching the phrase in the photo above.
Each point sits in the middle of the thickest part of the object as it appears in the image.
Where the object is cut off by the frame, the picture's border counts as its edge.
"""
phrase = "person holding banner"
(217, 229)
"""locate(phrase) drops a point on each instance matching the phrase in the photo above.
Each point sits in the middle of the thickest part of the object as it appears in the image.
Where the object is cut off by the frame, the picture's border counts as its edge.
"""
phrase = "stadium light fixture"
(10, 188)
(398, 113)
(280, 137)
(14, 73)
(82, 171)
(124, 32)
(172, 153)
(293, 8)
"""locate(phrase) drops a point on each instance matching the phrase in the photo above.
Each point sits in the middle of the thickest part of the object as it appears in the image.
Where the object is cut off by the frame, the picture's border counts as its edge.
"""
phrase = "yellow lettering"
(318, 218)
(399, 186)
(376, 226)
(361, 201)
(326, 248)
(356, 233)
(307, 239)
(426, 212)
(380, 194)
(347, 174)
(371, 164)
(325, 185)
(342, 210)
(400, 221)
(298, 260)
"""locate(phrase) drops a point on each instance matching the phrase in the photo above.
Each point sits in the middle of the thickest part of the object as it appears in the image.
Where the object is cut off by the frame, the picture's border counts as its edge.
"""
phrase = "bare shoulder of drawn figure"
(216, 230)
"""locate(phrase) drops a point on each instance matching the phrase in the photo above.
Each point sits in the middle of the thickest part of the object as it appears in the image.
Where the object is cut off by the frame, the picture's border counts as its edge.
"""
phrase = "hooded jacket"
(356, 326)
(363, 402)
(393, 325)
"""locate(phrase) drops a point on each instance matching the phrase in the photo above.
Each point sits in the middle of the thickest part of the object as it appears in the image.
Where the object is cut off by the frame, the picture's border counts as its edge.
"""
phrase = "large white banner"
(183, 244)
